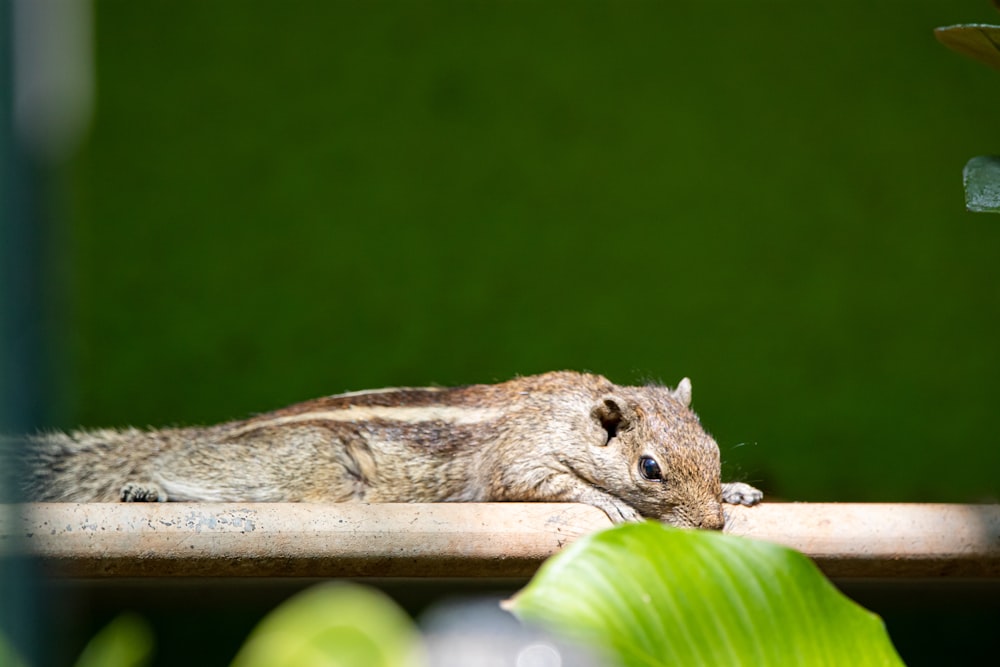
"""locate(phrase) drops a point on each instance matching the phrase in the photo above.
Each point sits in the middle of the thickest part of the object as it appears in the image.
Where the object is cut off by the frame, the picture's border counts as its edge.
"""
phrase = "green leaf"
(978, 41)
(655, 595)
(9, 657)
(333, 625)
(981, 177)
(127, 641)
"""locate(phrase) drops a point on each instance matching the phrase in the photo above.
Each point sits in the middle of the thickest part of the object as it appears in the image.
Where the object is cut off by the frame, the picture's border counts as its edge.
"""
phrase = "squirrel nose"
(713, 520)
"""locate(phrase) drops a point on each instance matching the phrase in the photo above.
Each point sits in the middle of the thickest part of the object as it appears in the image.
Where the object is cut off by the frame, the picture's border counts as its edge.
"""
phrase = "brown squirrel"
(564, 436)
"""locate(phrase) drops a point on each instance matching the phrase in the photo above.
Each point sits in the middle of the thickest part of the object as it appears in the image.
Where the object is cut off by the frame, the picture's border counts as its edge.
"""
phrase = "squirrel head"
(649, 449)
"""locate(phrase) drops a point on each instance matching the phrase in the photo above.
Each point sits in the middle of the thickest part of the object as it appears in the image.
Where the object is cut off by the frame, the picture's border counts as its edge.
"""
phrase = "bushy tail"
(82, 466)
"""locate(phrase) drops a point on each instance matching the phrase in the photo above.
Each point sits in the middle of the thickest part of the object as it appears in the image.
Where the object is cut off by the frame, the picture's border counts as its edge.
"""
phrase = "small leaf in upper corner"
(981, 177)
(978, 41)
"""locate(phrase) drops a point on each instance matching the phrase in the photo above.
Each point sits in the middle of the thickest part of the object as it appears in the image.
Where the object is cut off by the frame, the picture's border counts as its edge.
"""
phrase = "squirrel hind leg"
(142, 493)
(738, 493)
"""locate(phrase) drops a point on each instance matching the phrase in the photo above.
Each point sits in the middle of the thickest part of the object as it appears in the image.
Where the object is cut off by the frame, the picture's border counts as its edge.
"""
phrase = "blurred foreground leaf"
(978, 41)
(656, 595)
(127, 641)
(981, 177)
(8, 657)
(333, 625)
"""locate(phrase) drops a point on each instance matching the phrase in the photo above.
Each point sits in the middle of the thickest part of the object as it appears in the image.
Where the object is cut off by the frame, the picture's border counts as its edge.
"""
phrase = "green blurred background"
(281, 201)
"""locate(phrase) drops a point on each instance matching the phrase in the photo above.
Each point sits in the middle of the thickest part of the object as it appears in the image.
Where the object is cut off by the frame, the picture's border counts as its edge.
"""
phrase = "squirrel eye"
(650, 469)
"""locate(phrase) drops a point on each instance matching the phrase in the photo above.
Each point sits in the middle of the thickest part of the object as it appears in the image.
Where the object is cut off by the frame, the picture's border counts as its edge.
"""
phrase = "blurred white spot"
(478, 633)
(53, 75)
(539, 655)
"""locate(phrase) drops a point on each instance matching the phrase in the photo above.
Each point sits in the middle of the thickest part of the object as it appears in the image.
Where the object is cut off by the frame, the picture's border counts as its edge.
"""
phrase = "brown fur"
(537, 438)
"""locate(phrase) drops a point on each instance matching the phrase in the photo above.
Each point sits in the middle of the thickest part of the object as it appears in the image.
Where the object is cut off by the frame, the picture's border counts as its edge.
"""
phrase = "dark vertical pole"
(23, 390)
(23, 376)
(18, 407)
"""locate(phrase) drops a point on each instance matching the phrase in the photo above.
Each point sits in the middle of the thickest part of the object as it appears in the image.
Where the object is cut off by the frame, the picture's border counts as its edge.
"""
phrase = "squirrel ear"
(609, 413)
(683, 392)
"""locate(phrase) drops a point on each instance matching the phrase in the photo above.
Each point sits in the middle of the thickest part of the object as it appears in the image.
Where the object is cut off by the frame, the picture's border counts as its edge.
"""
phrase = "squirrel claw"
(738, 493)
(136, 493)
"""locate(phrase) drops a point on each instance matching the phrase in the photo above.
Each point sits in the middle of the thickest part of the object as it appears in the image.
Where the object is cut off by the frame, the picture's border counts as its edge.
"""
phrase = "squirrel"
(632, 451)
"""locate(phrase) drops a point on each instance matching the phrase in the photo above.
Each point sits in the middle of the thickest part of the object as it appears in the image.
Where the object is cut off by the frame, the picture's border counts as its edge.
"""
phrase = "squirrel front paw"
(617, 510)
(139, 493)
(738, 493)
(622, 513)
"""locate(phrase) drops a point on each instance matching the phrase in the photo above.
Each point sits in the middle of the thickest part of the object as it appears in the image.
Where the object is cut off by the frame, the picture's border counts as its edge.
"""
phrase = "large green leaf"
(978, 41)
(654, 595)
(333, 625)
(982, 184)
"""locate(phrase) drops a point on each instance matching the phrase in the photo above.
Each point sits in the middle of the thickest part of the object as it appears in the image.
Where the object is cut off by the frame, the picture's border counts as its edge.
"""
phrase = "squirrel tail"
(81, 466)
